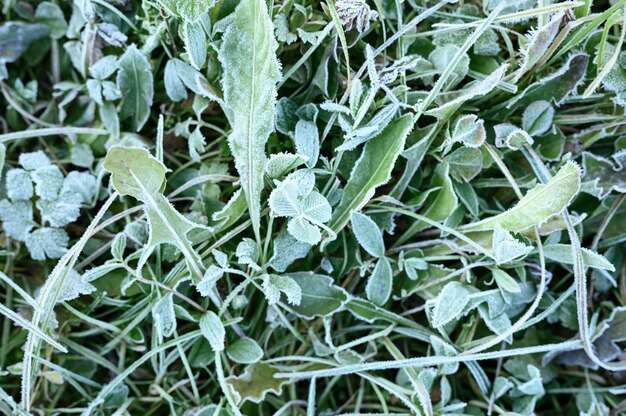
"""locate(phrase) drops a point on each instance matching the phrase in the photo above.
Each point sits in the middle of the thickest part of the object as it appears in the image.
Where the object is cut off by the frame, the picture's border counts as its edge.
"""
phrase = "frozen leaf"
(469, 130)
(255, 383)
(195, 41)
(247, 252)
(507, 248)
(367, 234)
(81, 183)
(307, 141)
(81, 155)
(164, 316)
(174, 86)
(505, 281)
(16, 38)
(73, 286)
(17, 218)
(487, 44)
(606, 175)
(274, 285)
(355, 14)
(48, 182)
(19, 185)
(245, 351)
(52, 15)
(371, 170)
(450, 303)
(441, 58)
(320, 297)
(537, 118)
(60, 211)
(539, 41)
(104, 67)
(442, 348)
(118, 245)
(280, 164)
(189, 10)
(465, 163)
(562, 253)
(380, 282)
(287, 249)
(196, 144)
(213, 330)
(538, 205)
(281, 29)
(134, 80)
(210, 277)
(47, 243)
(34, 160)
(251, 72)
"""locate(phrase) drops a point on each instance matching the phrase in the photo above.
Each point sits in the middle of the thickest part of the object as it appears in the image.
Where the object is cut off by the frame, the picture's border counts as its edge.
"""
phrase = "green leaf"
(17, 218)
(245, 351)
(537, 118)
(255, 383)
(19, 185)
(507, 248)
(81, 155)
(280, 164)
(371, 170)
(134, 80)
(274, 285)
(562, 253)
(195, 43)
(213, 330)
(379, 284)
(190, 10)
(52, 15)
(286, 250)
(469, 130)
(48, 243)
(16, 37)
(450, 303)
(367, 234)
(251, 72)
(320, 297)
(505, 281)
(163, 316)
(538, 205)
(605, 175)
(48, 182)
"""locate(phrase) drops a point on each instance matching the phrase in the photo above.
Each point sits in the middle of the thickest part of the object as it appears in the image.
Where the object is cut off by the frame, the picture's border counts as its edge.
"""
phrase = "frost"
(19, 185)
(47, 243)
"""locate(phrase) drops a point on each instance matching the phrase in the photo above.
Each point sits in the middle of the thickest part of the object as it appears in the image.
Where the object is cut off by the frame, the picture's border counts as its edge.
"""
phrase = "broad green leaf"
(465, 163)
(538, 205)
(320, 297)
(380, 282)
(307, 141)
(16, 37)
(136, 173)
(562, 253)
(52, 15)
(286, 250)
(537, 118)
(255, 383)
(367, 233)
(371, 170)
(469, 130)
(245, 351)
(450, 303)
(213, 330)
(505, 281)
(134, 80)
(251, 72)
(282, 163)
(195, 43)
(189, 10)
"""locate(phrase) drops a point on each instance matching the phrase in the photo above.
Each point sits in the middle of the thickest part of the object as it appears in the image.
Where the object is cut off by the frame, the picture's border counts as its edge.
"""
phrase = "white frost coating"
(251, 72)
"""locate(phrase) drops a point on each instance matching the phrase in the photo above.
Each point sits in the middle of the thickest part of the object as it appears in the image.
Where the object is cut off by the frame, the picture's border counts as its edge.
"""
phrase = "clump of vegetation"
(350, 207)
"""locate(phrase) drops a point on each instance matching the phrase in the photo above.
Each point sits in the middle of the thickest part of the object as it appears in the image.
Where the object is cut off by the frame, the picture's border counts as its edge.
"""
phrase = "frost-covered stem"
(225, 389)
(47, 300)
(50, 131)
(607, 219)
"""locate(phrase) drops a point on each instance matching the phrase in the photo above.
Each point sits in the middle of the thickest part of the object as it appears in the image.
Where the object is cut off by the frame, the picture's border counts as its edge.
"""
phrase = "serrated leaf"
(538, 205)
(48, 182)
(367, 234)
(34, 160)
(245, 351)
(450, 303)
(251, 72)
(81, 183)
(134, 80)
(320, 297)
(247, 252)
(62, 210)
(371, 170)
(213, 330)
(539, 41)
(74, 285)
(380, 282)
(48, 243)
(164, 316)
(537, 118)
(17, 218)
